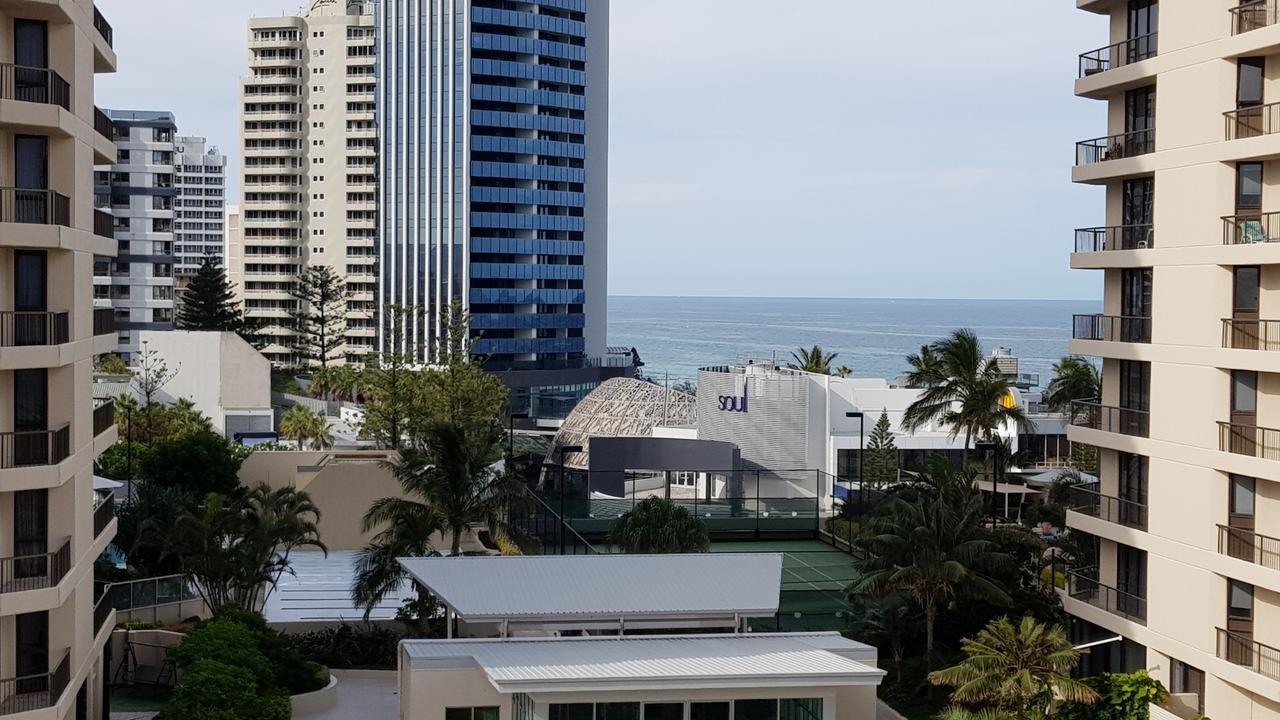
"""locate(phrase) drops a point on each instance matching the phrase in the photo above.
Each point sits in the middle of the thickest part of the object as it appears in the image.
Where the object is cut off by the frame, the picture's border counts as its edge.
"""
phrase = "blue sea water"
(677, 335)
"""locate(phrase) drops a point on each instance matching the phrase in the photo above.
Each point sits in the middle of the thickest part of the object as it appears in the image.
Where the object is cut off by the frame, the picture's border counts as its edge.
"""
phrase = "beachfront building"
(198, 224)
(52, 525)
(1187, 514)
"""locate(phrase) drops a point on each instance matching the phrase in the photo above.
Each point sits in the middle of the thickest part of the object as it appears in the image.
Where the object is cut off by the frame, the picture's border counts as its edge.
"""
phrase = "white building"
(198, 223)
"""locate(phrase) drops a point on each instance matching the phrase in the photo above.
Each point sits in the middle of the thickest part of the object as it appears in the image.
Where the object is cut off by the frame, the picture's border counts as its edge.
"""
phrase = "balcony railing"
(39, 207)
(1249, 546)
(103, 27)
(1088, 501)
(1250, 334)
(104, 416)
(1111, 328)
(104, 321)
(1252, 16)
(101, 611)
(103, 513)
(24, 329)
(1253, 121)
(103, 124)
(1125, 52)
(1117, 602)
(1115, 147)
(34, 85)
(35, 692)
(1111, 419)
(34, 447)
(1251, 229)
(1244, 650)
(35, 572)
(1115, 237)
(1249, 440)
(104, 224)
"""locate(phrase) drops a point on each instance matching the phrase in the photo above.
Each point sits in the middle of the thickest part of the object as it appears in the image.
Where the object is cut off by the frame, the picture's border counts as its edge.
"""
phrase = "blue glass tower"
(494, 171)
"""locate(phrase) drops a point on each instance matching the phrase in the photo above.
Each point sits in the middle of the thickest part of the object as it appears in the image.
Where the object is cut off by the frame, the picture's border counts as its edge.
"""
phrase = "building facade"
(138, 190)
(1188, 505)
(52, 526)
(198, 224)
(494, 174)
(309, 169)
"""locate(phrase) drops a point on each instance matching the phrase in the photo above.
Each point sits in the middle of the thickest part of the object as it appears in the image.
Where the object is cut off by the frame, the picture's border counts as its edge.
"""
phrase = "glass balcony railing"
(1251, 440)
(1115, 601)
(1252, 16)
(1115, 237)
(1088, 501)
(1115, 147)
(1250, 334)
(1111, 328)
(1125, 52)
(1107, 418)
(1244, 650)
(1249, 546)
(26, 329)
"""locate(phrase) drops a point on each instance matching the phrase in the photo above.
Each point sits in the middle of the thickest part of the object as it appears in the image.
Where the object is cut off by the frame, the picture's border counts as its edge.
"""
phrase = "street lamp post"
(564, 450)
(993, 447)
(862, 485)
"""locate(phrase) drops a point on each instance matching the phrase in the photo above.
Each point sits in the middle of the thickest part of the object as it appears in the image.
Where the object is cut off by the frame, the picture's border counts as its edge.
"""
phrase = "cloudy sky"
(842, 148)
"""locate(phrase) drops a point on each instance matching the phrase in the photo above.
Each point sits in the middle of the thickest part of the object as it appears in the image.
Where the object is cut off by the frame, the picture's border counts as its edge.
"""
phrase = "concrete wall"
(219, 372)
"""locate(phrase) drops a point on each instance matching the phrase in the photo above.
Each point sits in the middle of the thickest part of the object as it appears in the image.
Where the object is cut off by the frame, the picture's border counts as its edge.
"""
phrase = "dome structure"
(621, 407)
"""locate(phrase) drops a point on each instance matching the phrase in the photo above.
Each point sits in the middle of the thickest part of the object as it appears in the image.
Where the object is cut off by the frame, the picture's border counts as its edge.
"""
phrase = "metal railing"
(104, 224)
(1115, 237)
(104, 416)
(1249, 440)
(1115, 147)
(1111, 328)
(103, 513)
(1251, 229)
(1104, 597)
(148, 593)
(1243, 650)
(37, 207)
(103, 27)
(1108, 418)
(1249, 546)
(1250, 334)
(103, 125)
(1254, 121)
(30, 448)
(104, 321)
(35, 692)
(1252, 16)
(23, 329)
(1120, 511)
(101, 611)
(34, 85)
(1119, 54)
(35, 572)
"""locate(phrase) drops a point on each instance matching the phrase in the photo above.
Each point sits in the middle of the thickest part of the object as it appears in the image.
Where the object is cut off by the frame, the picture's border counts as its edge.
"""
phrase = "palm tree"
(812, 360)
(301, 424)
(448, 485)
(932, 548)
(656, 525)
(962, 390)
(1074, 378)
(1023, 669)
(959, 713)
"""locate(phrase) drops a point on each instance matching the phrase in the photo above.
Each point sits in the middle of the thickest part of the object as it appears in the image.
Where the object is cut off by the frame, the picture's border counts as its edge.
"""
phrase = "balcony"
(104, 321)
(1251, 229)
(1249, 546)
(37, 207)
(34, 85)
(1125, 52)
(1250, 334)
(1115, 237)
(101, 611)
(103, 514)
(26, 329)
(1088, 501)
(34, 448)
(1247, 652)
(1115, 147)
(103, 125)
(1117, 602)
(1111, 328)
(35, 572)
(104, 224)
(104, 416)
(35, 692)
(1249, 440)
(102, 26)
(1107, 418)
(1252, 16)
(1252, 122)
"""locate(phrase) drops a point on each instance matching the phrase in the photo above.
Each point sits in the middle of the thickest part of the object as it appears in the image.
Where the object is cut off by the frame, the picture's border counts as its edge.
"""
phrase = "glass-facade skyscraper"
(493, 175)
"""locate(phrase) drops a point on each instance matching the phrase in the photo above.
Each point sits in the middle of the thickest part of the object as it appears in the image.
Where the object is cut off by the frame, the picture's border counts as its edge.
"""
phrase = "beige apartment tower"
(52, 525)
(1187, 511)
(309, 169)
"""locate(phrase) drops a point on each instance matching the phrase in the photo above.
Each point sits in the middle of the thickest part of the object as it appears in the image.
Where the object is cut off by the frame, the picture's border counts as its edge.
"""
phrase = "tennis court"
(814, 577)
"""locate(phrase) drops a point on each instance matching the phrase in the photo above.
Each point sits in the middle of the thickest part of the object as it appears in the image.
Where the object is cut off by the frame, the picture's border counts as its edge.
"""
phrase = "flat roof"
(581, 587)
(638, 662)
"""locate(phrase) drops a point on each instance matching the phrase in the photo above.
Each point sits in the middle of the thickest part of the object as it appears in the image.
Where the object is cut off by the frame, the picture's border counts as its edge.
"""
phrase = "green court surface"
(814, 577)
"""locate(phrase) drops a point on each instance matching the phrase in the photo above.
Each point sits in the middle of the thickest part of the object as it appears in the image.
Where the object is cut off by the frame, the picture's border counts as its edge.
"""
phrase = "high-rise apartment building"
(494, 173)
(309, 170)
(1187, 510)
(198, 208)
(52, 527)
(138, 189)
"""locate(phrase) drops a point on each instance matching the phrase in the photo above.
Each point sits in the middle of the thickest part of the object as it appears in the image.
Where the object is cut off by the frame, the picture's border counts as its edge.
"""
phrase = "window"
(1248, 186)
(1246, 287)
(664, 711)
(755, 710)
(1244, 392)
(476, 713)
(618, 711)
(709, 711)
(1239, 601)
(1242, 496)
(1249, 80)
(1185, 679)
(565, 711)
(800, 709)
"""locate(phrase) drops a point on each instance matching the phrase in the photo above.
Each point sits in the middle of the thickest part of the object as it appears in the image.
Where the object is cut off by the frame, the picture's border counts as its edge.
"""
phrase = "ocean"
(677, 335)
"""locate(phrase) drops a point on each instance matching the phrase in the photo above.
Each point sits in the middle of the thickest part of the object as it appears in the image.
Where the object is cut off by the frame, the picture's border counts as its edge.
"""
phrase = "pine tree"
(881, 463)
(209, 302)
(321, 318)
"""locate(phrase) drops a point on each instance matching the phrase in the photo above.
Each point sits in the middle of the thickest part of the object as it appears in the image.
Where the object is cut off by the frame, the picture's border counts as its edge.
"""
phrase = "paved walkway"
(362, 699)
(132, 715)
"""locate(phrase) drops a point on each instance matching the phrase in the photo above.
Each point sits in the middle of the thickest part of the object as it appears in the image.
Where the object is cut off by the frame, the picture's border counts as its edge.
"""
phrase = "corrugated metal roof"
(604, 586)
(745, 660)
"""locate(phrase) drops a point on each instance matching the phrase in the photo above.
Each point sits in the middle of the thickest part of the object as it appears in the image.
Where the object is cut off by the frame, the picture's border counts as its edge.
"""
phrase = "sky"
(791, 148)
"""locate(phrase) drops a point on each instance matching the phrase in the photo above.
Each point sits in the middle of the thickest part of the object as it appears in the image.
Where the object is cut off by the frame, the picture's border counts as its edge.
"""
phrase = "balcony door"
(30, 417)
(31, 640)
(1133, 489)
(31, 179)
(1131, 579)
(1245, 294)
(1239, 625)
(30, 59)
(1144, 20)
(1136, 212)
(30, 297)
(31, 533)
(1250, 225)
(1135, 304)
(1135, 394)
(1241, 521)
(1139, 120)
(1187, 680)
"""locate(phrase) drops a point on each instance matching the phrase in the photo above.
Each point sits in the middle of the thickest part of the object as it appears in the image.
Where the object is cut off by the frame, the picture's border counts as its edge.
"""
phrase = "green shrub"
(1124, 696)
(293, 672)
(229, 643)
(140, 625)
(351, 648)
(212, 690)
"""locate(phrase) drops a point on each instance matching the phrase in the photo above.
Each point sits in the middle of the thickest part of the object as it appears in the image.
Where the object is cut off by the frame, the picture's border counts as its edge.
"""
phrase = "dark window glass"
(1140, 110)
(1247, 285)
(800, 709)
(1249, 81)
(1242, 495)
(32, 641)
(484, 713)
(1138, 202)
(31, 162)
(31, 524)
(1135, 292)
(30, 400)
(1135, 385)
(1131, 570)
(1248, 186)
(709, 711)
(1144, 16)
(1184, 679)
(1239, 600)
(29, 281)
(1244, 392)
(755, 710)
(618, 711)
(30, 43)
(1133, 478)
(570, 711)
(664, 711)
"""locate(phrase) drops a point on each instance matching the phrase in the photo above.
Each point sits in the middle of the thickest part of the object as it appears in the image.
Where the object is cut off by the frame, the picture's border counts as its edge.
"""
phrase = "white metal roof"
(581, 587)
(638, 662)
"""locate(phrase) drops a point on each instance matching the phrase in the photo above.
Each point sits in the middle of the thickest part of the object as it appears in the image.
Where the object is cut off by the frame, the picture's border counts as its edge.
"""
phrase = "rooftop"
(583, 587)
(640, 662)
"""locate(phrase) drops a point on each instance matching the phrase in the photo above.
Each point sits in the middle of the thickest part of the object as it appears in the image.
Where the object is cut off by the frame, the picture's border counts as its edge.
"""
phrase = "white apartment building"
(138, 190)
(309, 170)
(198, 223)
